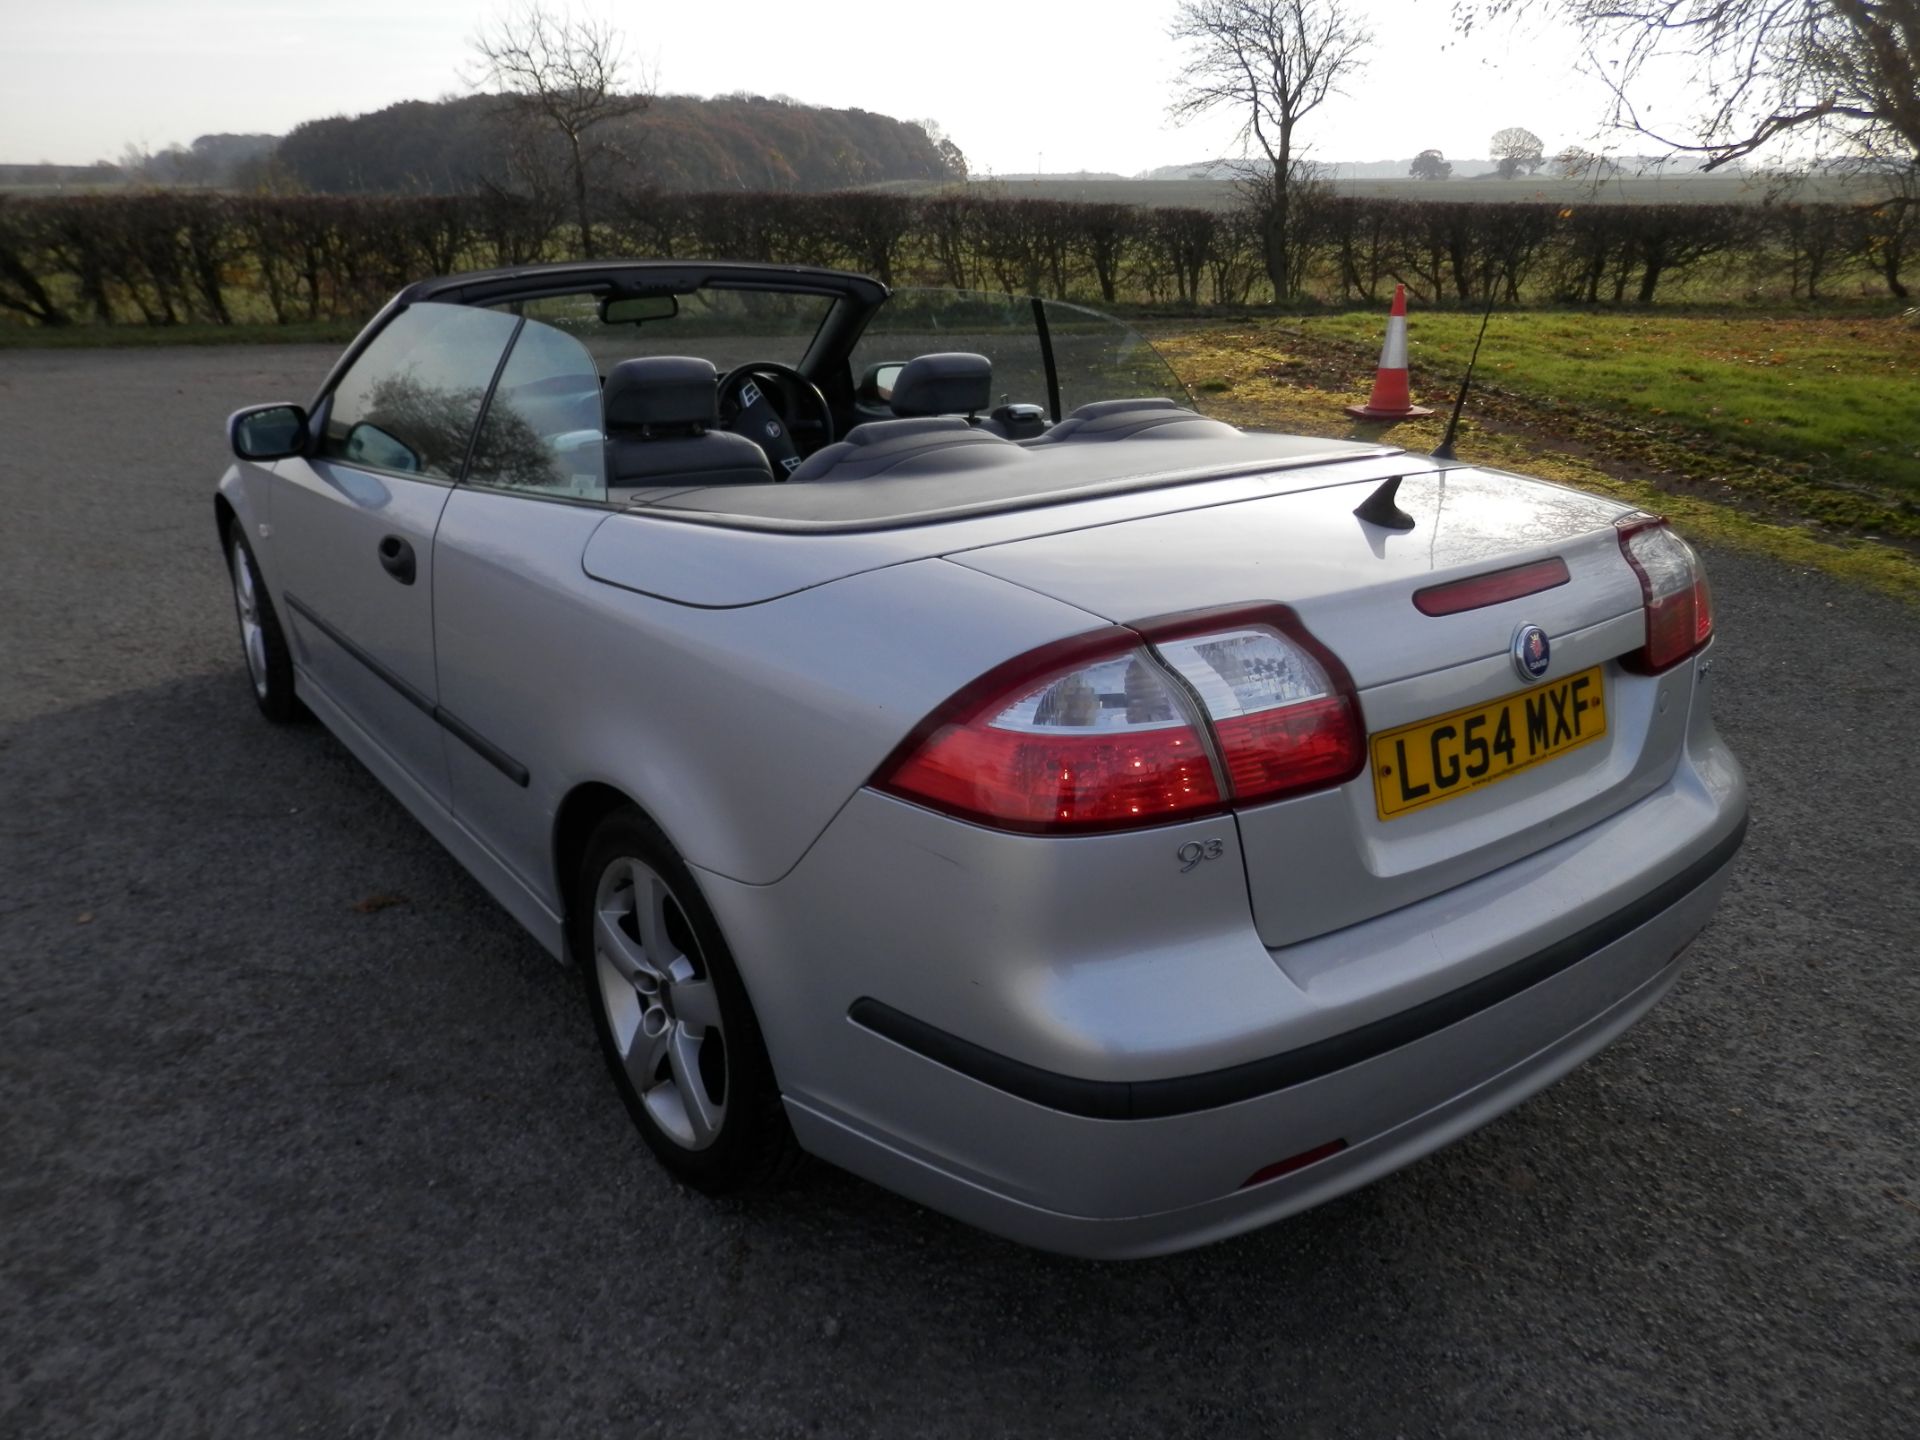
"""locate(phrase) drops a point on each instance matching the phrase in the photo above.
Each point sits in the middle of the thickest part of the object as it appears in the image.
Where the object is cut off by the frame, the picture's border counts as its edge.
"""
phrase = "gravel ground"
(275, 1160)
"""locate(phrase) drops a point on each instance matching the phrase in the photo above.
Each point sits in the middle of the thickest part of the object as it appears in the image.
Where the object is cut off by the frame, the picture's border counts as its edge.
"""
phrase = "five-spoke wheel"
(269, 666)
(675, 1024)
(659, 1002)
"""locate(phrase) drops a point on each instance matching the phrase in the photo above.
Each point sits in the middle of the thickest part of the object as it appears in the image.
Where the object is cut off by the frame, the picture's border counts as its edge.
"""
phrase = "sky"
(1020, 85)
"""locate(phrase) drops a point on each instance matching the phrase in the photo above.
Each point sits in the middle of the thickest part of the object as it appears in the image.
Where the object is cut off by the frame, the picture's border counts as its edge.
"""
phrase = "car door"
(511, 601)
(354, 526)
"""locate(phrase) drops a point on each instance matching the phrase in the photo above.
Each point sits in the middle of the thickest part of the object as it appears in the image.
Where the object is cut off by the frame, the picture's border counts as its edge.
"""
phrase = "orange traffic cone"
(1391, 399)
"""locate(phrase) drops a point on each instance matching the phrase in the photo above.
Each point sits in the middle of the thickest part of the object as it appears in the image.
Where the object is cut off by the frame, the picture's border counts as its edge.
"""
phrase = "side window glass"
(409, 402)
(1000, 327)
(542, 432)
(1099, 358)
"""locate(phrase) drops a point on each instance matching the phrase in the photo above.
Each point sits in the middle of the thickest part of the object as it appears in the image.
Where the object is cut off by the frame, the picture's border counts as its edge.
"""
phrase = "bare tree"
(1272, 62)
(563, 76)
(952, 158)
(1768, 68)
(1515, 149)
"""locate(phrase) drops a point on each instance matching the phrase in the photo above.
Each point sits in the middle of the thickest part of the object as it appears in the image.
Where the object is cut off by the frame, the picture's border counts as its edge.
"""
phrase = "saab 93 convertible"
(943, 751)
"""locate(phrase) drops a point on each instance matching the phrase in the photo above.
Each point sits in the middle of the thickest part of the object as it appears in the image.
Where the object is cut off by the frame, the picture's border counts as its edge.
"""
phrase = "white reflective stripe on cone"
(1393, 354)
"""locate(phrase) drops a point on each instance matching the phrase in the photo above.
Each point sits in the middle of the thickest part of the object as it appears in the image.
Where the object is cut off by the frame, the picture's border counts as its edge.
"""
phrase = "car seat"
(660, 412)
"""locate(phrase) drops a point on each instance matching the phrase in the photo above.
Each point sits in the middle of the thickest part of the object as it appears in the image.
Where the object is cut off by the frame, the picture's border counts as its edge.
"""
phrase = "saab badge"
(773, 429)
(1532, 653)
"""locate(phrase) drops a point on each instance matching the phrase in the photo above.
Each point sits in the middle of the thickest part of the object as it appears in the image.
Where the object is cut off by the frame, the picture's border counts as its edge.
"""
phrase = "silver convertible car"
(943, 751)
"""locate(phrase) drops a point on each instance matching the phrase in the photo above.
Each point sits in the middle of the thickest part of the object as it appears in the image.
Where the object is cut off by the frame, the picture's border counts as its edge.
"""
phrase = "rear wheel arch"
(224, 519)
(579, 814)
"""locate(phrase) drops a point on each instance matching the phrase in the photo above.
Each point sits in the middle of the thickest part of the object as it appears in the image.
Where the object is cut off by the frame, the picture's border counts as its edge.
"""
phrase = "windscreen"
(727, 327)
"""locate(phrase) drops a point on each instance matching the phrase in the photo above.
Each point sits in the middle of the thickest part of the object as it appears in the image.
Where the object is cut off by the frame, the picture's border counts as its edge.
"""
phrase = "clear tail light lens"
(1673, 587)
(1282, 724)
(1098, 743)
(1106, 732)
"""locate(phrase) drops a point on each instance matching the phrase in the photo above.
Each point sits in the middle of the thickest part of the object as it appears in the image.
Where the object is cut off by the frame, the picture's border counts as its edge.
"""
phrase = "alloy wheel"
(660, 1003)
(253, 637)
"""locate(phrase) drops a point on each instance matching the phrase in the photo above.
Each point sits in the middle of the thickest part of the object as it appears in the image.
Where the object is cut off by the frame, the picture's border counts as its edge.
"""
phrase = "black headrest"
(947, 384)
(661, 390)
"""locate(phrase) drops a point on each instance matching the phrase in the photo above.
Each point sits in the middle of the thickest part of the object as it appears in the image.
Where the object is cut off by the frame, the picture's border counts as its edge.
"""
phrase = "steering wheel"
(748, 407)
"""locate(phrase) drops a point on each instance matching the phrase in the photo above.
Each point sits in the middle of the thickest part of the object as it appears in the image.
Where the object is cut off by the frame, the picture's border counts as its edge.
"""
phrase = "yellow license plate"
(1448, 755)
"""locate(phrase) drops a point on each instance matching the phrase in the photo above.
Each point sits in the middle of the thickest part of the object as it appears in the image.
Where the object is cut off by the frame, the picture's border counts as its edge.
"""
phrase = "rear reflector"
(1492, 588)
(1293, 1163)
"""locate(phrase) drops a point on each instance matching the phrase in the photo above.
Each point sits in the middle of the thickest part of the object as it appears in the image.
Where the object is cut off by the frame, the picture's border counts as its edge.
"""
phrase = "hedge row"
(167, 257)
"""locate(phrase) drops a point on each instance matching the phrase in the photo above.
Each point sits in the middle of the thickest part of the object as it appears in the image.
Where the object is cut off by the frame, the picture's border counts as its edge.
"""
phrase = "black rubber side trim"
(483, 747)
(465, 734)
(1185, 1094)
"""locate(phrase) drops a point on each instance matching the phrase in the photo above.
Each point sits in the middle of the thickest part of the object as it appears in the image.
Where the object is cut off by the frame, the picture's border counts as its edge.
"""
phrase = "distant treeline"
(455, 147)
(679, 142)
(168, 257)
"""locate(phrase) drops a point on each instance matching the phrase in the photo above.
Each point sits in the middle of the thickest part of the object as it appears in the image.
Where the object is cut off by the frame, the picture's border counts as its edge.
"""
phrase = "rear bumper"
(1084, 1070)
(1389, 1110)
(1255, 1079)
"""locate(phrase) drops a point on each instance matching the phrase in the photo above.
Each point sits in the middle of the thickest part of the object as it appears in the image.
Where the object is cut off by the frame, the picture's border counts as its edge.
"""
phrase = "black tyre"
(269, 666)
(675, 1025)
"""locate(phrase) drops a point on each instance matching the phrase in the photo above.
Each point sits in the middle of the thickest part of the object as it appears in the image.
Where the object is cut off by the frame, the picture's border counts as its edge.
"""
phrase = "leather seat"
(951, 383)
(660, 411)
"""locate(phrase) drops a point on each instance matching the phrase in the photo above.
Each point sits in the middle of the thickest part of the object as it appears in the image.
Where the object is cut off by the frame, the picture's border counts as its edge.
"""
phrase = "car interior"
(678, 419)
(631, 382)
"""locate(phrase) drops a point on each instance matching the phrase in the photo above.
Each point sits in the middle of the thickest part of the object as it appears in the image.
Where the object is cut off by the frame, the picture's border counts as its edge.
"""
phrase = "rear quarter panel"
(740, 731)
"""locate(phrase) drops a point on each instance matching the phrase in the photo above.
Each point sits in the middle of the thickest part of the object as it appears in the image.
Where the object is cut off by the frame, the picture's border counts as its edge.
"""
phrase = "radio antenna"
(1445, 449)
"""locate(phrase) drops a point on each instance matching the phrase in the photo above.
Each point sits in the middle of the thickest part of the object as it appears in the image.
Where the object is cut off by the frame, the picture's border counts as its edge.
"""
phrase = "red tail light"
(1088, 734)
(1673, 587)
(1281, 706)
(1137, 727)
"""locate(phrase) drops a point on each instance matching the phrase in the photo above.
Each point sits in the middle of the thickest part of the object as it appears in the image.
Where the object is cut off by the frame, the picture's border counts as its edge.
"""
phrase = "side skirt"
(480, 862)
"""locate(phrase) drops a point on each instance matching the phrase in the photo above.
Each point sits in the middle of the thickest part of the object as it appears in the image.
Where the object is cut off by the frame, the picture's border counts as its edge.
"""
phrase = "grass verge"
(1286, 375)
(122, 337)
(1833, 398)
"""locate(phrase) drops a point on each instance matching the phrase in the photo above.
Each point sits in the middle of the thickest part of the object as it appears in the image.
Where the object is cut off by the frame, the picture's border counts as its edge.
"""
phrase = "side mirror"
(268, 432)
(876, 386)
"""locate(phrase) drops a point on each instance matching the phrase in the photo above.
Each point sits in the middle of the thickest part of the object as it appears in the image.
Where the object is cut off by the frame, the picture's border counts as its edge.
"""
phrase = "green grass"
(117, 337)
(1270, 373)
(1836, 397)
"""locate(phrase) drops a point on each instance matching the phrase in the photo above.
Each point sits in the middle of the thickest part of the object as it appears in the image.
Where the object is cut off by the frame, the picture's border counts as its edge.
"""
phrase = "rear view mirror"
(638, 309)
(268, 432)
(878, 382)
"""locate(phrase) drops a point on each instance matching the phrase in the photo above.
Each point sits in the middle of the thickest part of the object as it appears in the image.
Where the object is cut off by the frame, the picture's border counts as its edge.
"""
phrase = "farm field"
(1793, 431)
(1624, 190)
